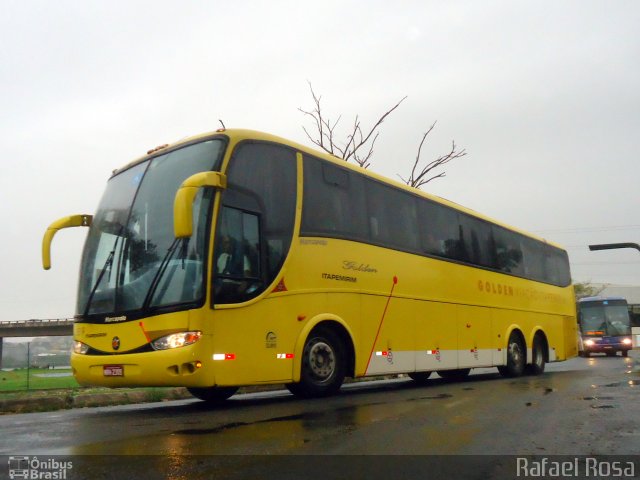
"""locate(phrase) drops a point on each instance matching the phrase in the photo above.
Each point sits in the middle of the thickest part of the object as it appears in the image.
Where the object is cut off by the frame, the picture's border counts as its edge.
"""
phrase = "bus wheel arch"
(326, 356)
(516, 353)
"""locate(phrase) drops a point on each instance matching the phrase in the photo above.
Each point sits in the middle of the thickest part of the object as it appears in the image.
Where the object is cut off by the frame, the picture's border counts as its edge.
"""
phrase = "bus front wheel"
(323, 365)
(212, 394)
(516, 357)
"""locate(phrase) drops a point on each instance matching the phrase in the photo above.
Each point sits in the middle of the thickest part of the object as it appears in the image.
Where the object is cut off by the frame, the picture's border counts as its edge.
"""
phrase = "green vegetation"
(39, 379)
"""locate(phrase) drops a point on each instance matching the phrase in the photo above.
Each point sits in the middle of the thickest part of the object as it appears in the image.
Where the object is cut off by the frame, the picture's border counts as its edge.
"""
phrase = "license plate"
(113, 371)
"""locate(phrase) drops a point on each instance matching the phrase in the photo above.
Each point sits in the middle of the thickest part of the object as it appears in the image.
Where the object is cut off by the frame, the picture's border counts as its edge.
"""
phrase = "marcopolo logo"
(38, 469)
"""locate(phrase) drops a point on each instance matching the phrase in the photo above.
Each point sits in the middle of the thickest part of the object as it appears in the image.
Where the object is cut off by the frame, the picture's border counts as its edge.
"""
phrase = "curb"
(66, 400)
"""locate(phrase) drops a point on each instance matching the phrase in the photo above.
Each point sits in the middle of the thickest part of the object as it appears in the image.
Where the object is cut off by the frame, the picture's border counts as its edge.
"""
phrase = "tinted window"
(508, 251)
(258, 215)
(340, 203)
(556, 266)
(478, 241)
(392, 216)
(533, 259)
(334, 202)
(439, 231)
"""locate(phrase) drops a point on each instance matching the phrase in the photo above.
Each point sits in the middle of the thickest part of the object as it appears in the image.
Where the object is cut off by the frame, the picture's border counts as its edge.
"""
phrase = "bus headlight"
(80, 348)
(176, 340)
(626, 341)
(589, 343)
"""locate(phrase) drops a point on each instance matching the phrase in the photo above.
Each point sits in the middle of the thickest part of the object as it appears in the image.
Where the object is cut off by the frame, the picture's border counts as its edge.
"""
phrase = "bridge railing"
(36, 322)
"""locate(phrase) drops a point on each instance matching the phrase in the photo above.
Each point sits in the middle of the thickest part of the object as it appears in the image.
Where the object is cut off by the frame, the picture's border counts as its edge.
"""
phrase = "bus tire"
(323, 365)
(419, 377)
(457, 374)
(212, 394)
(536, 367)
(516, 357)
(625, 353)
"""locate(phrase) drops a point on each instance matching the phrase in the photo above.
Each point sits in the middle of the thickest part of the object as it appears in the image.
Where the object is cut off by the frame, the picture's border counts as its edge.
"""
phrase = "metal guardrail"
(48, 322)
(36, 327)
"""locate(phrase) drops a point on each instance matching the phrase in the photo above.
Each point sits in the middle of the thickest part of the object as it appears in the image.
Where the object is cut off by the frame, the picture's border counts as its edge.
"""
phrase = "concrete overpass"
(54, 327)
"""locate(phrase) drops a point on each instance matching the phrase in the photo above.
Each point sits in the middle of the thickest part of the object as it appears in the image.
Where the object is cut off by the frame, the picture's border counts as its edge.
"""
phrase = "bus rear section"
(604, 326)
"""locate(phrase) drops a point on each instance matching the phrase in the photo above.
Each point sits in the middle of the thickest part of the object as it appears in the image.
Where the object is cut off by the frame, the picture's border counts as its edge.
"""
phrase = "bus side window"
(534, 264)
(508, 251)
(237, 256)
(392, 217)
(333, 203)
(439, 231)
(262, 189)
(477, 240)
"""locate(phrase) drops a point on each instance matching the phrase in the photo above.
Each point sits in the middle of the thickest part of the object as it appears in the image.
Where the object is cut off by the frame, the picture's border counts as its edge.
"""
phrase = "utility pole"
(28, 362)
(635, 331)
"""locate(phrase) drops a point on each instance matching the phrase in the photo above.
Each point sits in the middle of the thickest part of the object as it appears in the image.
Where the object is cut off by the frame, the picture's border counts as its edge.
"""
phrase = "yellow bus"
(238, 258)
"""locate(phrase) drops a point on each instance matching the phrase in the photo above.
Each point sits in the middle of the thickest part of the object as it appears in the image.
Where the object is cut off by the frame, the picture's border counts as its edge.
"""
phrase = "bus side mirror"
(183, 203)
(66, 222)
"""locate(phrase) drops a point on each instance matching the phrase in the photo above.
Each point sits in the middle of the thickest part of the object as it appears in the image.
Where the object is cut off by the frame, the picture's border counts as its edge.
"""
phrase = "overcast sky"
(543, 95)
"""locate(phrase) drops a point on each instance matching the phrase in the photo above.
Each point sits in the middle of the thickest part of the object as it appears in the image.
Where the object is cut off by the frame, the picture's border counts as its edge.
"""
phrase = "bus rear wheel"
(323, 365)
(212, 394)
(538, 357)
(516, 357)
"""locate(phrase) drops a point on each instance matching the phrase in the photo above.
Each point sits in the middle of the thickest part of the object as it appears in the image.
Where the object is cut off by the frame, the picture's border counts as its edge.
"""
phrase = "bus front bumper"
(180, 367)
(601, 345)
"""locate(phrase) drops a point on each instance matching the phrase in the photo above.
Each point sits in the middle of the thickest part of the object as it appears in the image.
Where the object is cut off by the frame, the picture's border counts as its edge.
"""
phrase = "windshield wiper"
(160, 273)
(107, 264)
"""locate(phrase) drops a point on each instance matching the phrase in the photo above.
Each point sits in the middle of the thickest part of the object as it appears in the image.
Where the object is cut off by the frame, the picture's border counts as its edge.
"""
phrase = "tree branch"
(359, 146)
(355, 140)
(422, 178)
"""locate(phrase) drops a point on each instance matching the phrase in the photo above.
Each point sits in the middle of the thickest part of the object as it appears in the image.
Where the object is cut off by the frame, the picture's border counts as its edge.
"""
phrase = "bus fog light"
(626, 341)
(589, 343)
(80, 348)
(176, 340)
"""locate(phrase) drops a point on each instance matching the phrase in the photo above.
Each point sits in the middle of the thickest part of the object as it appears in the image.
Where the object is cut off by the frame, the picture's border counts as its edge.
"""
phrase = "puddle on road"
(440, 396)
(346, 416)
(629, 383)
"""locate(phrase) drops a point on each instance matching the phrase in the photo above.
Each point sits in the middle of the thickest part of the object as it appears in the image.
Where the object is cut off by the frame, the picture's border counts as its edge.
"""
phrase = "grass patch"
(39, 379)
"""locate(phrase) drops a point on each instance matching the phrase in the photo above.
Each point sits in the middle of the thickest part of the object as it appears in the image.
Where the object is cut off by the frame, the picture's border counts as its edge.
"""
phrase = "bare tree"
(359, 146)
(421, 177)
(356, 139)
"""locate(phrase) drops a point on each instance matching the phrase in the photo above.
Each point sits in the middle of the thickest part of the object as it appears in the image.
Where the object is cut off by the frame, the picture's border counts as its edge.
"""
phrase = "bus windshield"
(603, 318)
(131, 259)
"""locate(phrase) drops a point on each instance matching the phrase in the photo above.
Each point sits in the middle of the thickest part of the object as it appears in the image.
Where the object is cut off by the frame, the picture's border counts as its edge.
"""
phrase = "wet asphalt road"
(579, 407)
